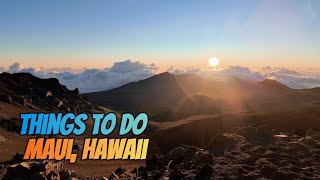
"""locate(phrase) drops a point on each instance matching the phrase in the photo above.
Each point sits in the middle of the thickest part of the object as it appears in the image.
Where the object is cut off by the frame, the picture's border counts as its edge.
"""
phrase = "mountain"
(168, 97)
(212, 114)
(26, 90)
(272, 84)
(161, 96)
(161, 91)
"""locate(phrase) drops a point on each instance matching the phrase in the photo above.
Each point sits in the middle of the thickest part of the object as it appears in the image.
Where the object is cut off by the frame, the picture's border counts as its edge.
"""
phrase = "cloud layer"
(286, 76)
(93, 80)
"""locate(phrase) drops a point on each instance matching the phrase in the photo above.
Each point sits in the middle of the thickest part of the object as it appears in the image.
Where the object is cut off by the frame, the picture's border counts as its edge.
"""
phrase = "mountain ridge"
(24, 89)
(179, 96)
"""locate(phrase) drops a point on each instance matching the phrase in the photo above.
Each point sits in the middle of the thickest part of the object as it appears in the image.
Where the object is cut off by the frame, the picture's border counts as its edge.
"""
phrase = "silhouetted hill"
(168, 97)
(160, 91)
(24, 89)
(272, 84)
(161, 96)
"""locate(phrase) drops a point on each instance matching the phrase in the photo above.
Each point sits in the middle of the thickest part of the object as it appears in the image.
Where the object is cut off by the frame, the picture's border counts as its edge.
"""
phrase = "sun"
(214, 62)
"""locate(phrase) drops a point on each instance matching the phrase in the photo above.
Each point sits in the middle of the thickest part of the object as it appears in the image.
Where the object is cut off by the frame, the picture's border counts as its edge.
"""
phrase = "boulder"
(73, 175)
(257, 135)
(6, 99)
(155, 162)
(176, 154)
(18, 171)
(65, 174)
(37, 176)
(52, 175)
(313, 134)
(204, 172)
(224, 142)
(203, 157)
(119, 171)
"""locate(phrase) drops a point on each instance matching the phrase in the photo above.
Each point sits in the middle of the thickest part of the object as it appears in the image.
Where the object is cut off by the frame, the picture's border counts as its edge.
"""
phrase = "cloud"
(296, 82)
(279, 70)
(292, 78)
(242, 72)
(286, 76)
(232, 71)
(129, 66)
(175, 71)
(28, 70)
(16, 67)
(63, 69)
(120, 73)
(93, 80)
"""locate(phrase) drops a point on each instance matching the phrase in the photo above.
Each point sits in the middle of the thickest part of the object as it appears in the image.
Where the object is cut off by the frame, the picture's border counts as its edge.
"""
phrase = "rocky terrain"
(25, 93)
(16, 168)
(24, 89)
(246, 153)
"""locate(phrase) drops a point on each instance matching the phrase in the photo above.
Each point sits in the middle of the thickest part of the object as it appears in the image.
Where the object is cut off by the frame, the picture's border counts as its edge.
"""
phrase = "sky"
(79, 34)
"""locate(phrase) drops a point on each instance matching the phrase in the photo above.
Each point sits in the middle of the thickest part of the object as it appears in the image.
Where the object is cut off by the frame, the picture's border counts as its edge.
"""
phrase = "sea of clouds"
(93, 80)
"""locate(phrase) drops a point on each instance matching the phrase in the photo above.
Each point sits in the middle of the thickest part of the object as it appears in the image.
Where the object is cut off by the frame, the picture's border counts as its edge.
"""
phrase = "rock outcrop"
(24, 89)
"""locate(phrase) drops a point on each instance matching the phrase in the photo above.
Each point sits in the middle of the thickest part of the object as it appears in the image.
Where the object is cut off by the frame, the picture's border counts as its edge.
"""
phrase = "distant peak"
(23, 76)
(20, 74)
(165, 74)
(269, 83)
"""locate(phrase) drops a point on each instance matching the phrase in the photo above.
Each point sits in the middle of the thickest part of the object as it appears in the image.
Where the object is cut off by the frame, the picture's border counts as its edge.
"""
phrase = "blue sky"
(96, 33)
